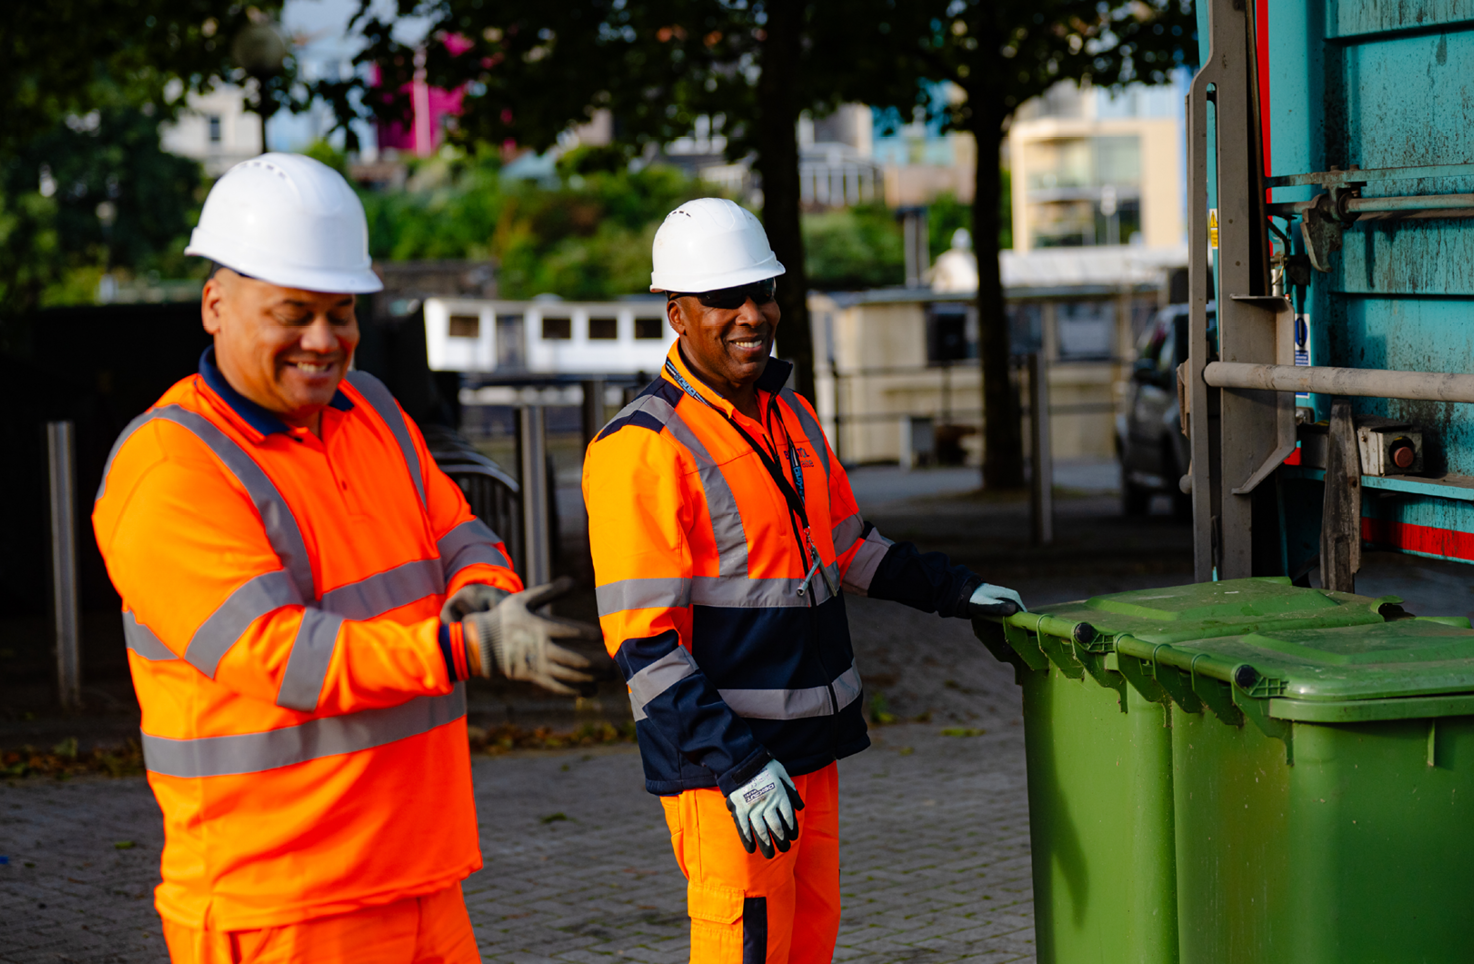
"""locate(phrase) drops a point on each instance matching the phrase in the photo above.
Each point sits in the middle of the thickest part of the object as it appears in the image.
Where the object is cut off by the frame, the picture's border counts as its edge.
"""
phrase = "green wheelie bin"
(1099, 751)
(1323, 785)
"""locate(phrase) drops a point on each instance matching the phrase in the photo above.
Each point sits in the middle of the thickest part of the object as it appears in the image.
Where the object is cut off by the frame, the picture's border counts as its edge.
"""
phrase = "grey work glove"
(517, 641)
(990, 600)
(475, 598)
(763, 809)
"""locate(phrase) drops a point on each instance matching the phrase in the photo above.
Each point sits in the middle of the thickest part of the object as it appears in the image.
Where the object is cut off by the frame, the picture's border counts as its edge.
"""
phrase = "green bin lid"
(1203, 610)
(1402, 658)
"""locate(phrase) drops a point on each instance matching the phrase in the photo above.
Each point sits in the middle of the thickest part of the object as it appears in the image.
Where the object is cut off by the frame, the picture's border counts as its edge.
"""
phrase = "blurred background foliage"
(586, 234)
(93, 193)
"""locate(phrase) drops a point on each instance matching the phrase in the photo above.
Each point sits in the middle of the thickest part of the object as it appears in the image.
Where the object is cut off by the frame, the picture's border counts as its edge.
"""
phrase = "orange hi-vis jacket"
(734, 644)
(303, 720)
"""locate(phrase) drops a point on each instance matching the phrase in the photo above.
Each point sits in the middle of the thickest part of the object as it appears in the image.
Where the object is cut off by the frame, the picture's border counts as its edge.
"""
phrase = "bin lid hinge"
(1257, 710)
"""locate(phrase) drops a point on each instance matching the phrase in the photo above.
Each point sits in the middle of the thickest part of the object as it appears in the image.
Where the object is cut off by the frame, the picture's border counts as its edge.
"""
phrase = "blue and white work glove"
(763, 809)
(990, 600)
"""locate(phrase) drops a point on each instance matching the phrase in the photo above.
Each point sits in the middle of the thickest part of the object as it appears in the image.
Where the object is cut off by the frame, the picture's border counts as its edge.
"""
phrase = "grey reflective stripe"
(127, 432)
(739, 592)
(795, 704)
(847, 533)
(811, 428)
(847, 686)
(142, 640)
(307, 666)
(467, 544)
(658, 677)
(616, 597)
(657, 407)
(726, 520)
(383, 402)
(281, 527)
(214, 756)
(386, 590)
(476, 555)
(864, 563)
(250, 601)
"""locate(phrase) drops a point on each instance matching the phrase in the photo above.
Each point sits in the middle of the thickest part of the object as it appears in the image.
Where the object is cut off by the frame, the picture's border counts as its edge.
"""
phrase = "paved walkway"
(578, 863)
(934, 831)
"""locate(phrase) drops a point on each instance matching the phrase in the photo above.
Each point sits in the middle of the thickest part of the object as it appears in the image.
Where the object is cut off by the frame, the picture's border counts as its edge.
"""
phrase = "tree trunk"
(777, 162)
(1003, 444)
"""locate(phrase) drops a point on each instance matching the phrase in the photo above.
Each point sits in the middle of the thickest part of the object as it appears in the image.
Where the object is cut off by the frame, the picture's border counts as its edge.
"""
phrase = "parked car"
(1150, 445)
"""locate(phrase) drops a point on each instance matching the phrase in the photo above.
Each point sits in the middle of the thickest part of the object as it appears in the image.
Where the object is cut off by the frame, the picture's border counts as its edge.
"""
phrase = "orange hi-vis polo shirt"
(303, 721)
(735, 644)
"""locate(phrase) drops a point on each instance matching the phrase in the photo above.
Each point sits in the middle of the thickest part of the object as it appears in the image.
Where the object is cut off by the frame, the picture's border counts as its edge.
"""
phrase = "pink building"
(431, 106)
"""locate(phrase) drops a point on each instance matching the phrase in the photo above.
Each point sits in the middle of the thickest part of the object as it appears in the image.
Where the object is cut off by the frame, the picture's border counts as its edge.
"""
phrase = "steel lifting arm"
(1367, 382)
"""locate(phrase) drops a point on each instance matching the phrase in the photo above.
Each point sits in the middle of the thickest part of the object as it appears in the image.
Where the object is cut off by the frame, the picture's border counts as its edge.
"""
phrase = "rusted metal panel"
(1358, 18)
(1367, 111)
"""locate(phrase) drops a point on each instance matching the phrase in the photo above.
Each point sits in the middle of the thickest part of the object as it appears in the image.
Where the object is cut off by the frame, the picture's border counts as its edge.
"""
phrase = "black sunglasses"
(761, 293)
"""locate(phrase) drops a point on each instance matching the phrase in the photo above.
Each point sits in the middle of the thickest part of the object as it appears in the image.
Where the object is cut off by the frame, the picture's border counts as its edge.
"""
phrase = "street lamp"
(261, 51)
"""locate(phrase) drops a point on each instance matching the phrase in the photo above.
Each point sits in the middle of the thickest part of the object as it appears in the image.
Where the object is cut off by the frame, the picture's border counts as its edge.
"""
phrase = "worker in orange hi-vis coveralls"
(304, 594)
(723, 532)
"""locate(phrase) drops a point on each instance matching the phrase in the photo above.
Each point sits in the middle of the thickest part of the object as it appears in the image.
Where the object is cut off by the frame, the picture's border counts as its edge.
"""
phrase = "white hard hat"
(711, 243)
(289, 220)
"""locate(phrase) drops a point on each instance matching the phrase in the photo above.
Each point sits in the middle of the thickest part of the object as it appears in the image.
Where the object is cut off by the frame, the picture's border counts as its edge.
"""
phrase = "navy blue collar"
(261, 419)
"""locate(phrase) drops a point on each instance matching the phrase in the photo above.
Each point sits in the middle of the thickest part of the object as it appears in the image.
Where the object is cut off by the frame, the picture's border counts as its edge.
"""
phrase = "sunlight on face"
(285, 349)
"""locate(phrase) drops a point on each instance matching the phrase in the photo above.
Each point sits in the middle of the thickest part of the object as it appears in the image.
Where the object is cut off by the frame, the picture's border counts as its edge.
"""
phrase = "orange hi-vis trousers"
(433, 929)
(745, 908)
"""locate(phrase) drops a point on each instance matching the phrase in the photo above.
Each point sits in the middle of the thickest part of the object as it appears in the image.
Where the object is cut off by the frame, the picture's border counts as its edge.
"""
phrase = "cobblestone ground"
(578, 863)
(934, 831)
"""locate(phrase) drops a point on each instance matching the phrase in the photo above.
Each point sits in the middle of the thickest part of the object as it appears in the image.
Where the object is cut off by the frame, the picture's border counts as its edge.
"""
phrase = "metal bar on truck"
(1376, 208)
(59, 450)
(1363, 176)
(1366, 382)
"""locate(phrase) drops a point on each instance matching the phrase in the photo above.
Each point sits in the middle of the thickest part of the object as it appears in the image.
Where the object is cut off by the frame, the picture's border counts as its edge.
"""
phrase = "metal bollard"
(532, 451)
(1041, 486)
(593, 409)
(59, 450)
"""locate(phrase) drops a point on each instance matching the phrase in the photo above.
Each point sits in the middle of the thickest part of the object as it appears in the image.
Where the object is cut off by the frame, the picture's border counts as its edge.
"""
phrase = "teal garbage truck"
(1265, 765)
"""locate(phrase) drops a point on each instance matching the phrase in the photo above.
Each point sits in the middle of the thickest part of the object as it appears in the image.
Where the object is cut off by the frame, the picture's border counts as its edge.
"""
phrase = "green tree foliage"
(946, 214)
(851, 248)
(69, 57)
(588, 237)
(85, 84)
(1003, 53)
(94, 191)
(533, 68)
(862, 247)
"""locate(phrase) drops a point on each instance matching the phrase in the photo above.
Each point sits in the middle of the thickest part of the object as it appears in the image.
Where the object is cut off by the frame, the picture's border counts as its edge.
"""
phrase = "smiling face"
(285, 349)
(728, 347)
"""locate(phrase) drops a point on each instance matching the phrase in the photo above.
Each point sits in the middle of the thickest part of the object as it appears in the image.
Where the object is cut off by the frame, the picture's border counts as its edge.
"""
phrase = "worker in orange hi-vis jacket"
(304, 593)
(723, 533)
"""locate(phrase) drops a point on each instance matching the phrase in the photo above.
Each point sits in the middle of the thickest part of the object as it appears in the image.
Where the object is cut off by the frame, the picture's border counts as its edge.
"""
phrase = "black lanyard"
(770, 460)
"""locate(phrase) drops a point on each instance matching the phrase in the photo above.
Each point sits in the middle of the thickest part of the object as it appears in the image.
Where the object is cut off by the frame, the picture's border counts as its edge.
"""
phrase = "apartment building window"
(212, 121)
(1083, 190)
